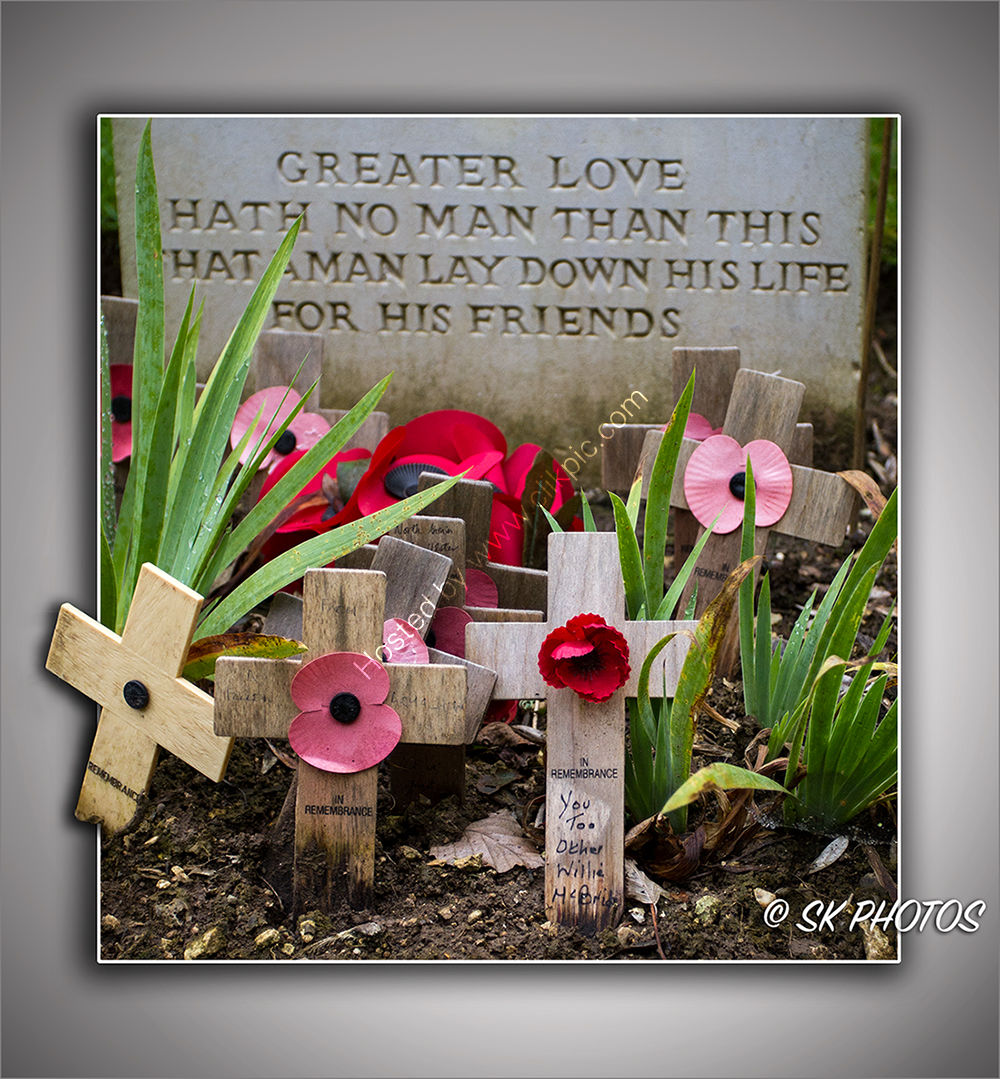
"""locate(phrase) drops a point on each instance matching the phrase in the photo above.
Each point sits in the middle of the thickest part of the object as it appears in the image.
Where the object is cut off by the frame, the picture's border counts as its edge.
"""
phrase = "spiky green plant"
(184, 483)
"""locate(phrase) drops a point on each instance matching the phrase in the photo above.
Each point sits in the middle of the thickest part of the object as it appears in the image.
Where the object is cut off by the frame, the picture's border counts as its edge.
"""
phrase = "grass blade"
(629, 557)
(661, 479)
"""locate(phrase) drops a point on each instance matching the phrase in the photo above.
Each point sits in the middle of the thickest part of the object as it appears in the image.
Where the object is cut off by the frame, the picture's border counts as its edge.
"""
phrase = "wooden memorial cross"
(335, 814)
(713, 387)
(145, 703)
(716, 367)
(761, 406)
(585, 742)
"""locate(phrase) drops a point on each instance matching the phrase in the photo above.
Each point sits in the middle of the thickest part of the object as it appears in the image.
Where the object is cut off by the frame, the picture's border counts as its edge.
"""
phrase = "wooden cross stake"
(144, 701)
(335, 814)
(585, 742)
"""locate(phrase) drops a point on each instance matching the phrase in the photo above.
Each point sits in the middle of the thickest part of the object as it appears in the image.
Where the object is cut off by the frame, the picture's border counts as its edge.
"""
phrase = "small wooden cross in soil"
(335, 814)
(713, 387)
(585, 741)
(762, 406)
(145, 703)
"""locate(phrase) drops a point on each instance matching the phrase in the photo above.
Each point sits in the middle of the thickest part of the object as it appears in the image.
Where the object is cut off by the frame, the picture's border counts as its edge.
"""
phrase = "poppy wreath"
(344, 725)
(320, 506)
(587, 656)
(715, 482)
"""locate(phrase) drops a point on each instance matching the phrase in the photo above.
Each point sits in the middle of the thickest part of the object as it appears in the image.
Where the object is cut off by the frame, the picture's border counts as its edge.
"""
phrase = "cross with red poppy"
(343, 712)
(589, 651)
(145, 703)
(791, 499)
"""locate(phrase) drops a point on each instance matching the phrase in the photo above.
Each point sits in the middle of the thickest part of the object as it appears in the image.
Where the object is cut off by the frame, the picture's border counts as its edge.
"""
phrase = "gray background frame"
(936, 65)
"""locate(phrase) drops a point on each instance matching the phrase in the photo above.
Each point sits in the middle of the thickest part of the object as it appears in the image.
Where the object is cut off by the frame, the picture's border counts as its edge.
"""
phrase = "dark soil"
(203, 873)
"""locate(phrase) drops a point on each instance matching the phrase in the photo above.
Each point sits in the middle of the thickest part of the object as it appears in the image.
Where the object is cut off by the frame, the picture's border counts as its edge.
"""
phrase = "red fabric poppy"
(716, 474)
(343, 726)
(314, 515)
(449, 441)
(121, 410)
(447, 632)
(277, 402)
(587, 656)
(480, 589)
(401, 643)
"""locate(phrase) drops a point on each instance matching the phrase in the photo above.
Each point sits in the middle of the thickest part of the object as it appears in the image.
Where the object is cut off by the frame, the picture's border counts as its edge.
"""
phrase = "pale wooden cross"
(585, 742)
(145, 703)
(335, 814)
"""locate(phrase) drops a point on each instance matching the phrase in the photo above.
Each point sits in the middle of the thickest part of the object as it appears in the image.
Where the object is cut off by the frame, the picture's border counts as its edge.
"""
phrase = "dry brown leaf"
(500, 841)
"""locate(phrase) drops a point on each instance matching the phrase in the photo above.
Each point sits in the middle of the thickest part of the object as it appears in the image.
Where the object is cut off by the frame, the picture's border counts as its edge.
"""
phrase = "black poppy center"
(404, 480)
(588, 662)
(738, 485)
(345, 708)
(286, 443)
(136, 695)
(121, 408)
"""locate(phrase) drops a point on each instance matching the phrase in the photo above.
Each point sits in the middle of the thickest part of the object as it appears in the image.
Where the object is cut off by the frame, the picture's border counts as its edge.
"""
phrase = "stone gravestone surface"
(538, 270)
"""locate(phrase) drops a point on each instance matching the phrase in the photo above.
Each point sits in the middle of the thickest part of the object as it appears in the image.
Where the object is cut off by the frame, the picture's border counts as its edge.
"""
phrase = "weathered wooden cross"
(335, 814)
(762, 406)
(716, 367)
(585, 741)
(145, 703)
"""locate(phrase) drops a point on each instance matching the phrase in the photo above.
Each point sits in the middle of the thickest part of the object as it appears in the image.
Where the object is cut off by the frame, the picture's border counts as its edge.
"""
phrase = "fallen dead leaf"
(498, 839)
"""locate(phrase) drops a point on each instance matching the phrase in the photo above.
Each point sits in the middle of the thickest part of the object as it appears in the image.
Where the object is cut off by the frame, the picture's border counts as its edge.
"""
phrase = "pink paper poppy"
(448, 442)
(278, 402)
(121, 410)
(698, 428)
(715, 480)
(587, 656)
(343, 726)
(401, 643)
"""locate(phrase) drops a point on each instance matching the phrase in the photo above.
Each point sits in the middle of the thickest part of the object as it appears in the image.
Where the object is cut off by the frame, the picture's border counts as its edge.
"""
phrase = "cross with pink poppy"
(585, 660)
(343, 712)
(790, 499)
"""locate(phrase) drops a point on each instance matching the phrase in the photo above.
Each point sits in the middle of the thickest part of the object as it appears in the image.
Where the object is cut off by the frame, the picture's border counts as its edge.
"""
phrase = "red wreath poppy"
(449, 442)
(344, 726)
(587, 656)
(121, 410)
(319, 513)
(507, 519)
(278, 402)
(715, 480)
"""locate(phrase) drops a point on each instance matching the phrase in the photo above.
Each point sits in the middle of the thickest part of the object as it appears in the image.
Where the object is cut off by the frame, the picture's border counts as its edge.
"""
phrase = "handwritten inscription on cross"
(145, 703)
(585, 741)
(335, 814)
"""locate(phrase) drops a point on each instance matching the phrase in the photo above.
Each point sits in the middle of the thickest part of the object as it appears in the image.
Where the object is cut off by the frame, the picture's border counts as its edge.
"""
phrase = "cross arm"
(514, 656)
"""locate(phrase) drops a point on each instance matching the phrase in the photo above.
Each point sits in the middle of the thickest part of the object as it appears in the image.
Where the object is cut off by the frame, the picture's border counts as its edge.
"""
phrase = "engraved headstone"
(534, 269)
